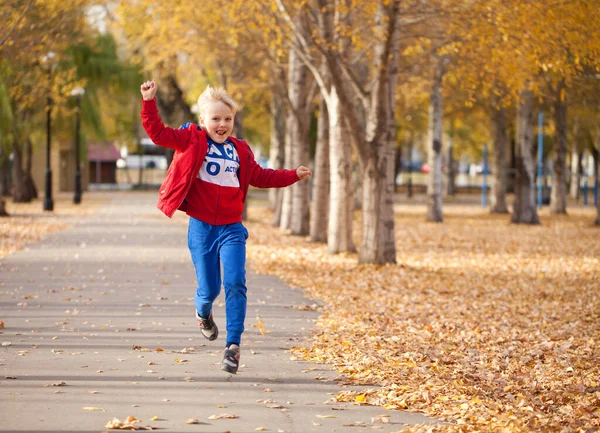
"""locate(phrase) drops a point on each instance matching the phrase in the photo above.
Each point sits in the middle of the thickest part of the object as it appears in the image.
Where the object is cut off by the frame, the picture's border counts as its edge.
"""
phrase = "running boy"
(208, 179)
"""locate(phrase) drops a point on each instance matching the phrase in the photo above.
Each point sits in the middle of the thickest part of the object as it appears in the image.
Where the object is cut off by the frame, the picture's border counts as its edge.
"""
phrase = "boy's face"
(217, 119)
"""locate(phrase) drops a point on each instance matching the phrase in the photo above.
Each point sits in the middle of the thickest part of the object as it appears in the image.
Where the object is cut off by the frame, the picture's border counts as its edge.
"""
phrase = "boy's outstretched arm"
(156, 130)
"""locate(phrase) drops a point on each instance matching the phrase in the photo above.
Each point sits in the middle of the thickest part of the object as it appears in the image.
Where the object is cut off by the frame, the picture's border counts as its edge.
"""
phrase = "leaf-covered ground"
(486, 325)
(28, 222)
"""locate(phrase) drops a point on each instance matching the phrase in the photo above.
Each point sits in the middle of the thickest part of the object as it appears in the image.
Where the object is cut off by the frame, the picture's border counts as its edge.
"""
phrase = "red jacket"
(190, 147)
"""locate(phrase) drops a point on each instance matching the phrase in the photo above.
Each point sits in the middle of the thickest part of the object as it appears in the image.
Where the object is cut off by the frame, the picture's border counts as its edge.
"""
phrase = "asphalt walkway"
(99, 324)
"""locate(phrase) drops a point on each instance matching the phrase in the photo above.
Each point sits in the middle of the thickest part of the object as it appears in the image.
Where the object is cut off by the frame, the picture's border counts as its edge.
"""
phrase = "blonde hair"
(212, 94)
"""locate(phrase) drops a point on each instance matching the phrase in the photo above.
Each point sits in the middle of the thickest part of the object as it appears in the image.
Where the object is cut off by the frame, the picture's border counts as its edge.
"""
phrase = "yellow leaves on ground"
(486, 325)
(223, 416)
(131, 423)
(28, 223)
(260, 326)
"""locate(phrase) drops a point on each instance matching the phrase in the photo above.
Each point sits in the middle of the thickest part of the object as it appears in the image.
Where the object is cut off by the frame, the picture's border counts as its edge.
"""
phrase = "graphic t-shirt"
(215, 196)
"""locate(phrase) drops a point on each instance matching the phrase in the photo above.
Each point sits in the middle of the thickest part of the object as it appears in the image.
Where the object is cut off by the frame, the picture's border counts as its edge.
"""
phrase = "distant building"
(102, 162)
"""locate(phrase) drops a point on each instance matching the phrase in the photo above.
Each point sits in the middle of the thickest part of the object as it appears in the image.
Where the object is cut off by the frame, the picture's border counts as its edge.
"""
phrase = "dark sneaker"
(231, 359)
(208, 327)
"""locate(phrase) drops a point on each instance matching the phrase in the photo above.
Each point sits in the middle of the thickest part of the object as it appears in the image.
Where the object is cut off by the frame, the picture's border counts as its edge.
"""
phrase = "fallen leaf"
(384, 419)
(154, 418)
(223, 416)
(260, 429)
(93, 409)
(259, 325)
(131, 423)
(1, 324)
(326, 416)
(193, 421)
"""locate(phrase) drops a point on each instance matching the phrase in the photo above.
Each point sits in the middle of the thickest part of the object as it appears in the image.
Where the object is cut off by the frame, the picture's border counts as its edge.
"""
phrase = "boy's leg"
(202, 242)
(233, 257)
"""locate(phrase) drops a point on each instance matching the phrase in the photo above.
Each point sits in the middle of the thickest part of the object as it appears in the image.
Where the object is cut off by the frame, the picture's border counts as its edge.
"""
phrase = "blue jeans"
(213, 246)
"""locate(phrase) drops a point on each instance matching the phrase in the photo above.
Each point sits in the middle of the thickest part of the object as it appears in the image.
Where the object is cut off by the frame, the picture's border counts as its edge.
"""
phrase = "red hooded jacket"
(190, 145)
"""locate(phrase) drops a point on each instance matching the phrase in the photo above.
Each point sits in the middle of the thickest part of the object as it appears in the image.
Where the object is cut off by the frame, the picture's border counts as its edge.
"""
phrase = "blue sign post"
(485, 170)
(540, 158)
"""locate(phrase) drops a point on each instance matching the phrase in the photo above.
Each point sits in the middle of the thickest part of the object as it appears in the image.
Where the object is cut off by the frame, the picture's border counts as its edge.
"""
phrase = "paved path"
(90, 306)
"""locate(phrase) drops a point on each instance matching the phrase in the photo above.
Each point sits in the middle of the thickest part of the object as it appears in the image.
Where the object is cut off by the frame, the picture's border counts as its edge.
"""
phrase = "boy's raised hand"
(303, 172)
(148, 89)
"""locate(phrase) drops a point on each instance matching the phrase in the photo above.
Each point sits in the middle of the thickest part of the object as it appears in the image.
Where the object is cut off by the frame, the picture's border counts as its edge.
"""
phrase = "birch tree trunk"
(576, 157)
(286, 200)
(498, 197)
(434, 142)
(378, 238)
(574, 175)
(558, 197)
(298, 125)
(321, 179)
(276, 151)
(339, 229)
(525, 211)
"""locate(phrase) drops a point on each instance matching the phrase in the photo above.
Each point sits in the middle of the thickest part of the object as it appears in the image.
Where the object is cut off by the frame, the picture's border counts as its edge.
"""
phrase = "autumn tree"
(36, 67)
(351, 97)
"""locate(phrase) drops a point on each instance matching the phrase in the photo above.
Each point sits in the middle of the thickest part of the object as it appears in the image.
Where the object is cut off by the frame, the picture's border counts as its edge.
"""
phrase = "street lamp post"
(77, 93)
(48, 201)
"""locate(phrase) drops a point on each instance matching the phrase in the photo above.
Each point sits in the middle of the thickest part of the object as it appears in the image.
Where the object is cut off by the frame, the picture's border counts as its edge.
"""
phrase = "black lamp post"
(77, 93)
(48, 201)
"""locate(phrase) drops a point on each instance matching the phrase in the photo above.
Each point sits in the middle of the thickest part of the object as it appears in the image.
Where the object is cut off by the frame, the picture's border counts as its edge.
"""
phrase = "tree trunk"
(525, 211)
(286, 200)
(4, 174)
(434, 141)
(501, 143)
(596, 154)
(300, 99)
(4, 187)
(339, 230)
(276, 151)
(451, 170)
(29, 183)
(20, 192)
(558, 198)
(576, 169)
(378, 241)
(321, 179)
